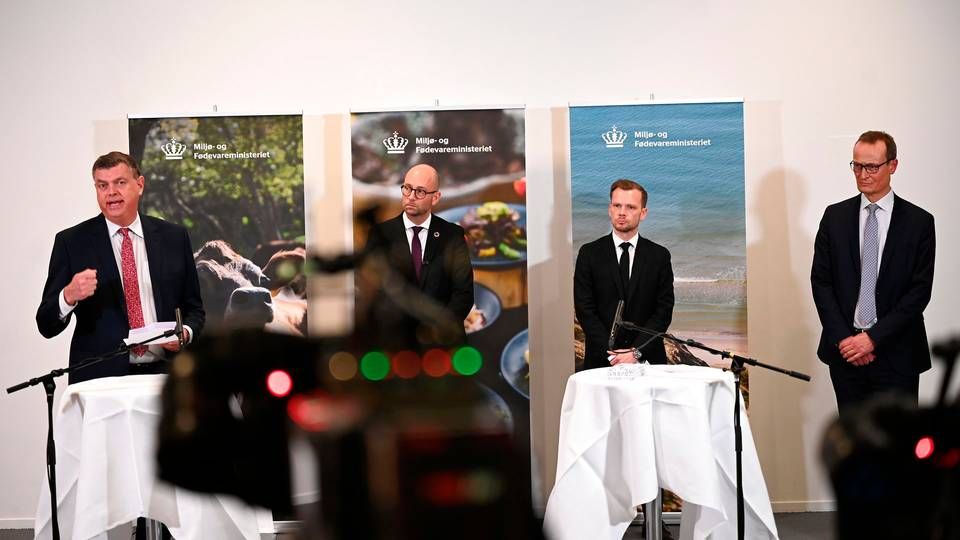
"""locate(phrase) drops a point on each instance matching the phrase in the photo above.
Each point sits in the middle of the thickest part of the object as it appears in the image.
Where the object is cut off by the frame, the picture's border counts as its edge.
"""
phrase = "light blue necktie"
(867, 303)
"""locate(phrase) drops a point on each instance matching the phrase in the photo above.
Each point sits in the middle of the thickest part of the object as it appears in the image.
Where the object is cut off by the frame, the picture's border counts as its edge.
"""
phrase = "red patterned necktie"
(131, 286)
(416, 252)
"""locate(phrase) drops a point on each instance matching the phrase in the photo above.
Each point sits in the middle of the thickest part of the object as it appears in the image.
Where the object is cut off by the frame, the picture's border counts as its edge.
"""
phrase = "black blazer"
(904, 283)
(446, 282)
(597, 289)
(102, 318)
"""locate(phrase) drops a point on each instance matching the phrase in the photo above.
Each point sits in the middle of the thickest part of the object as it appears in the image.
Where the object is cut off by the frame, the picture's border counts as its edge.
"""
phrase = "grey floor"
(27, 534)
(794, 526)
(797, 526)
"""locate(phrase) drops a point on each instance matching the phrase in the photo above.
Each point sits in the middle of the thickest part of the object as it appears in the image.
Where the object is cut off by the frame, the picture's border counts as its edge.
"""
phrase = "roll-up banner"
(236, 184)
(689, 158)
(479, 155)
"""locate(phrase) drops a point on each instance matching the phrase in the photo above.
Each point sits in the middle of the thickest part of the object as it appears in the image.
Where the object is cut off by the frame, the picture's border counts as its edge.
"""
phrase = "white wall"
(813, 75)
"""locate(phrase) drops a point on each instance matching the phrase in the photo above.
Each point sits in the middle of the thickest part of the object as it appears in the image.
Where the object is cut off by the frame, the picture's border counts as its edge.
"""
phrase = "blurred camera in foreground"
(895, 467)
(408, 445)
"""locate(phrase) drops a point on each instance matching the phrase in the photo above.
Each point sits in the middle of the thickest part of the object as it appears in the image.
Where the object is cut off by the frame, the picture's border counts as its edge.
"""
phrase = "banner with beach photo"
(236, 184)
(480, 157)
(689, 158)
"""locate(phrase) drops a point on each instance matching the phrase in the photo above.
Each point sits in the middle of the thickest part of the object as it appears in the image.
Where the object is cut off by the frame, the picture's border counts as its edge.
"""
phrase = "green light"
(375, 365)
(467, 361)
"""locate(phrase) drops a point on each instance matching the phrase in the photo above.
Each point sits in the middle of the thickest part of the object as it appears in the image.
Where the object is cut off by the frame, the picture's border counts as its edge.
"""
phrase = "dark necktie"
(867, 303)
(416, 251)
(625, 263)
(131, 286)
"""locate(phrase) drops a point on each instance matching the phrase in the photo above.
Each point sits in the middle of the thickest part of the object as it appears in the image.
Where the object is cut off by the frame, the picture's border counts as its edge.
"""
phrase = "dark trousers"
(141, 533)
(855, 384)
(151, 368)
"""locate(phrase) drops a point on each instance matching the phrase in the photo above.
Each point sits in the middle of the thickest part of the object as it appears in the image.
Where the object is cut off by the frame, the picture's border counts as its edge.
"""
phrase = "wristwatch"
(637, 354)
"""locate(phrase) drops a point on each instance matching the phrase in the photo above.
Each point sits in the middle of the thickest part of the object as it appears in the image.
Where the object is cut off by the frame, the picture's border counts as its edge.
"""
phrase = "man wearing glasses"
(429, 292)
(872, 277)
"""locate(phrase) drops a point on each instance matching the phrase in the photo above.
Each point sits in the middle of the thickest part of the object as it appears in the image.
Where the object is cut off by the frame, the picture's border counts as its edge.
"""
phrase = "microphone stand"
(49, 386)
(736, 366)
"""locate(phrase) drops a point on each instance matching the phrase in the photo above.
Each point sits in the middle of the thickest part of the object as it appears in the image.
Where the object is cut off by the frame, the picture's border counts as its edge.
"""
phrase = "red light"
(406, 364)
(311, 413)
(444, 488)
(950, 459)
(436, 362)
(319, 411)
(924, 448)
(279, 383)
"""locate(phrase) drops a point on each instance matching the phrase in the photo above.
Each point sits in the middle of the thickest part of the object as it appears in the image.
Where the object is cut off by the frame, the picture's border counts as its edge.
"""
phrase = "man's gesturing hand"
(83, 285)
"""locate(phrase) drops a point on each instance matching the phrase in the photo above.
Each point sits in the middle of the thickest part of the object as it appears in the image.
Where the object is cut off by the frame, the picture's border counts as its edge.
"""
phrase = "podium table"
(105, 431)
(629, 430)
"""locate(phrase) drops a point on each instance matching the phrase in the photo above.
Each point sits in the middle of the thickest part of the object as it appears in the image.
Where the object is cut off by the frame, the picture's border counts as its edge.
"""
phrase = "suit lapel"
(853, 225)
(894, 233)
(613, 263)
(435, 237)
(639, 262)
(152, 242)
(400, 250)
(108, 275)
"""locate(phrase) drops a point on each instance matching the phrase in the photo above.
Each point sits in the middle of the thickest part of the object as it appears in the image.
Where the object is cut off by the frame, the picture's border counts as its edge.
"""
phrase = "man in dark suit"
(872, 277)
(117, 271)
(428, 292)
(623, 266)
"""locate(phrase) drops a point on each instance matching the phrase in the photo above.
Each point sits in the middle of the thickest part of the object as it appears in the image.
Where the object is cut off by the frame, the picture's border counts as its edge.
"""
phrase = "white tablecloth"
(105, 431)
(622, 438)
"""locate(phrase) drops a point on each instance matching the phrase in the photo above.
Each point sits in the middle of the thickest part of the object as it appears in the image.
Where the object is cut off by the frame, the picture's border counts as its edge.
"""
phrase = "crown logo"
(614, 138)
(395, 144)
(173, 149)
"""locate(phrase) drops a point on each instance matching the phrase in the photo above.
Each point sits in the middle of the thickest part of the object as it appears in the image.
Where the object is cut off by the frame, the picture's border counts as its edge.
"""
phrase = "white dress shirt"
(632, 249)
(409, 225)
(154, 352)
(884, 211)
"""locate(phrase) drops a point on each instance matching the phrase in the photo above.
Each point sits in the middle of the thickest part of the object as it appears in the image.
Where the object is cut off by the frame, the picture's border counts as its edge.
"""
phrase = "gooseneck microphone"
(617, 321)
(179, 327)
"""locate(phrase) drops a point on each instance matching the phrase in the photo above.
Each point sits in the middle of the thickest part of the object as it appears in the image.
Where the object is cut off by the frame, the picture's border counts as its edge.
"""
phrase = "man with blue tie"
(872, 277)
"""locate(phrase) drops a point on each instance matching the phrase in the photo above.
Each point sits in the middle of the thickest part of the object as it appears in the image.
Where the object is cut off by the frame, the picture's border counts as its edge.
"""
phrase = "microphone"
(179, 327)
(617, 321)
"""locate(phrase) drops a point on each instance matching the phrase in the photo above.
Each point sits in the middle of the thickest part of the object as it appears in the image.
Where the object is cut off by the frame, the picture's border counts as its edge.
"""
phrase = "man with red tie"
(117, 271)
(429, 291)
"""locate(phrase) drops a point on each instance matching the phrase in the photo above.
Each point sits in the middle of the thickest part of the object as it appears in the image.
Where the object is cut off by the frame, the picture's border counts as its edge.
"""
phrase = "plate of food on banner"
(497, 407)
(485, 310)
(515, 363)
(496, 232)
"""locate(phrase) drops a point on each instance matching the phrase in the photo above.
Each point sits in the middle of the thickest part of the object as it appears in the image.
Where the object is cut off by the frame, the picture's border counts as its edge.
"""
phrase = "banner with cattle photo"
(479, 156)
(236, 184)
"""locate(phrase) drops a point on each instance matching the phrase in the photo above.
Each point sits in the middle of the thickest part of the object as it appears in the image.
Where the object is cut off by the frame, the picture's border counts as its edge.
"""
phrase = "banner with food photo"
(689, 158)
(236, 184)
(479, 155)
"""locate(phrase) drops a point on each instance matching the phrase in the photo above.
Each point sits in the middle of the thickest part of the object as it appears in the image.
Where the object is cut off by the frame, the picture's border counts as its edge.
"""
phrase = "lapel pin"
(436, 234)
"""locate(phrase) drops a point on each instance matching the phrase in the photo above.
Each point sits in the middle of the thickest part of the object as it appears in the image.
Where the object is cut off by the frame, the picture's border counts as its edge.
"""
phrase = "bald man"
(430, 256)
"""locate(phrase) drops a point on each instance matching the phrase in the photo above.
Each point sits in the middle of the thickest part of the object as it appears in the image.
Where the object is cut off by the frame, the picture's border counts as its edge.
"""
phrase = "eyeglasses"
(871, 168)
(418, 193)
